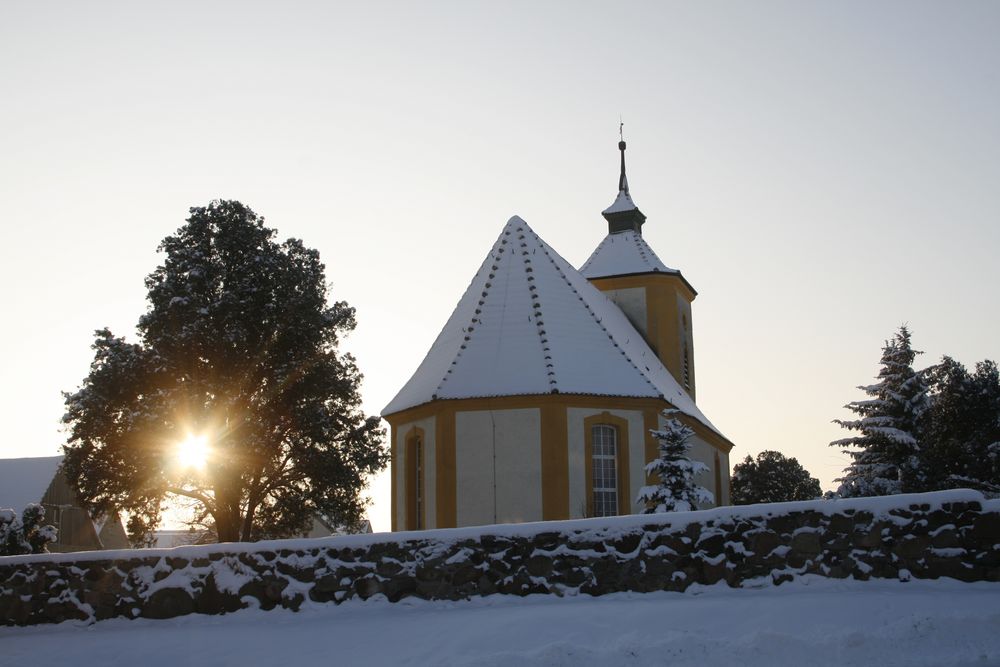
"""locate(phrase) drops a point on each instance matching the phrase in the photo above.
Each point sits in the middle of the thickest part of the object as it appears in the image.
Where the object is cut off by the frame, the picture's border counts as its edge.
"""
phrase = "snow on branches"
(885, 453)
(26, 535)
(677, 490)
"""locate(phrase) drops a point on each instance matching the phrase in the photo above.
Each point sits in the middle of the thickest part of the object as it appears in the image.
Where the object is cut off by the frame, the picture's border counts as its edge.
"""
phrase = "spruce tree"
(960, 446)
(677, 490)
(885, 452)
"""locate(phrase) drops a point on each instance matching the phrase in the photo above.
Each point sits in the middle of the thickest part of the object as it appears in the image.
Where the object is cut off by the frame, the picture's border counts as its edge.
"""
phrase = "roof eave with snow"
(673, 272)
(623, 254)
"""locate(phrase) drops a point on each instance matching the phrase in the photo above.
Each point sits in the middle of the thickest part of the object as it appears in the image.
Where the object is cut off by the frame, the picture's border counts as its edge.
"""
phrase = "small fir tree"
(677, 490)
(26, 535)
(772, 478)
(885, 453)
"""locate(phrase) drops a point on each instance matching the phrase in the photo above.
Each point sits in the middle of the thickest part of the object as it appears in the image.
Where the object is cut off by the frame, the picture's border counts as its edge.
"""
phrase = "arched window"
(604, 456)
(415, 491)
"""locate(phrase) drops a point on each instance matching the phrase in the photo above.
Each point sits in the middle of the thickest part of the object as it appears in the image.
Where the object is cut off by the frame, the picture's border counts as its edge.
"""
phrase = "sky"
(820, 172)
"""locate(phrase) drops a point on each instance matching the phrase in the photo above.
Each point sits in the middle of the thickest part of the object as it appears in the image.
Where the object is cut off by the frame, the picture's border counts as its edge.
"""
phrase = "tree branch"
(190, 494)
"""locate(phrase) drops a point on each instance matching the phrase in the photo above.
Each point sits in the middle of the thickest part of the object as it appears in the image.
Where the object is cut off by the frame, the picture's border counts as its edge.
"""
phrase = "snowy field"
(811, 622)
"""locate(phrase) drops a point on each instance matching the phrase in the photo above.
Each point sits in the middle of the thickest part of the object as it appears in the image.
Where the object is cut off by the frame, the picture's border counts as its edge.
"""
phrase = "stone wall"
(947, 534)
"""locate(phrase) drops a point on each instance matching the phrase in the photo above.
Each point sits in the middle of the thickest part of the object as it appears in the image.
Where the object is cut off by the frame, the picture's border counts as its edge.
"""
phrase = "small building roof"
(622, 254)
(24, 481)
(530, 324)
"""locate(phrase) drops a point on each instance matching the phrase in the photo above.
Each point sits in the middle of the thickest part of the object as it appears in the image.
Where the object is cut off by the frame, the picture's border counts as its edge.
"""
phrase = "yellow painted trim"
(434, 408)
(414, 435)
(446, 481)
(555, 462)
(622, 463)
(644, 279)
(661, 323)
(393, 463)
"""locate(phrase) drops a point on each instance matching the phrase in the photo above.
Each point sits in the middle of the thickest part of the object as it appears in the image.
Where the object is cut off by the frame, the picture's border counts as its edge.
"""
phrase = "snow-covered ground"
(810, 622)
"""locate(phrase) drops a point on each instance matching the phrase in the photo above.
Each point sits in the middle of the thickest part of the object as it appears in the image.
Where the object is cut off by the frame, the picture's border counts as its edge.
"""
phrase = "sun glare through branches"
(192, 452)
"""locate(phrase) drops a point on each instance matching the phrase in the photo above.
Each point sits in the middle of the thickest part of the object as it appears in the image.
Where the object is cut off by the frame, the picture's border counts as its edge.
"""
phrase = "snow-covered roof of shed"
(621, 254)
(530, 324)
(24, 481)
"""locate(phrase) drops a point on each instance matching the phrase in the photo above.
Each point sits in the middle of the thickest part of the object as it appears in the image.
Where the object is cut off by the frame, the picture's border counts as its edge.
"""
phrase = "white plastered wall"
(632, 302)
(577, 464)
(704, 452)
(497, 456)
(430, 468)
(724, 466)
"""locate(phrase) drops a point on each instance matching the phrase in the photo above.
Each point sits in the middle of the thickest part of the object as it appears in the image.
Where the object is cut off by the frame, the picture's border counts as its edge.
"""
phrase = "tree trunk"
(227, 528)
(247, 529)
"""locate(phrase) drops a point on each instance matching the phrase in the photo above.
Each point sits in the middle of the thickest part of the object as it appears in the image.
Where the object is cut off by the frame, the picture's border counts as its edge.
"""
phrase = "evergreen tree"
(26, 535)
(772, 478)
(677, 490)
(238, 347)
(886, 449)
(960, 446)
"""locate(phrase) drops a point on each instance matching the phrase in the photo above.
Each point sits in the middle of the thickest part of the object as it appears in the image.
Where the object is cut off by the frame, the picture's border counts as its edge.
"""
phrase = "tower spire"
(622, 180)
(623, 215)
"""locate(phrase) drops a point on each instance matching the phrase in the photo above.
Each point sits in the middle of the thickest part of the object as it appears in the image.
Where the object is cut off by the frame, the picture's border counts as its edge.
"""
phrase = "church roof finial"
(622, 180)
(623, 215)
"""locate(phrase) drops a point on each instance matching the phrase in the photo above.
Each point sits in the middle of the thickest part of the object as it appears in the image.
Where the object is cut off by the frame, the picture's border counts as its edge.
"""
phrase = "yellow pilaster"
(446, 480)
(555, 463)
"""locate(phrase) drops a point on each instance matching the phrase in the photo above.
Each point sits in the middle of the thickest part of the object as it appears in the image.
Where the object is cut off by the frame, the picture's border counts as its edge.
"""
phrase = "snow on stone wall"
(945, 534)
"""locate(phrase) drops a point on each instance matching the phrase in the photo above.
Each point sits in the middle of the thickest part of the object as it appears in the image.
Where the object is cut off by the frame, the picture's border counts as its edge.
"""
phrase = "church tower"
(655, 298)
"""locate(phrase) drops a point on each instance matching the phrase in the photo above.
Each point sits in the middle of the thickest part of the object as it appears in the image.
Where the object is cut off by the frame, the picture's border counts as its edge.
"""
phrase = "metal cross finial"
(621, 127)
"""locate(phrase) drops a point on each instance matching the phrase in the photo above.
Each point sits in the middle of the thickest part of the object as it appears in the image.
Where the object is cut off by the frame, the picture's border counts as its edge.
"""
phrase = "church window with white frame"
(604, 455)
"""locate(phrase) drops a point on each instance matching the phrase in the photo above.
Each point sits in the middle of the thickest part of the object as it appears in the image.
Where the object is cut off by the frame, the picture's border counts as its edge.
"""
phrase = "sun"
(192, 451)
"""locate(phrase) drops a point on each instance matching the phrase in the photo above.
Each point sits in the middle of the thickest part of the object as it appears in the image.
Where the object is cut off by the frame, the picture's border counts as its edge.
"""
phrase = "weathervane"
(622, 181)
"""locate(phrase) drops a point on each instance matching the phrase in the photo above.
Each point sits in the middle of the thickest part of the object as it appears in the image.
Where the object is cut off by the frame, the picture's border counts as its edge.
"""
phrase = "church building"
(536, 400)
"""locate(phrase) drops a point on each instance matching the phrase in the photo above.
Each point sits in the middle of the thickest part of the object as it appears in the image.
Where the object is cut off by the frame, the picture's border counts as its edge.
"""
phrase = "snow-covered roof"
(623, 202)
(621, 254)
(530, 324)
(24, 481)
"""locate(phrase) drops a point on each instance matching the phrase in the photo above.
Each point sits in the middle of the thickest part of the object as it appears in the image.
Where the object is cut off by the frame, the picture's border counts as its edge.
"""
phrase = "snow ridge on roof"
(26, 480)
(623, 253)
(530, 324)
